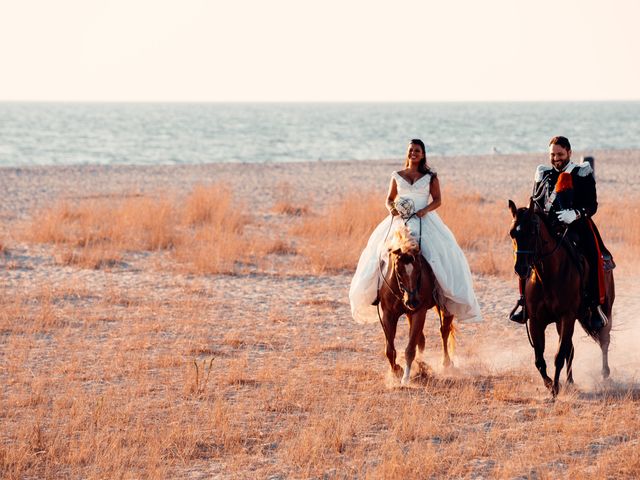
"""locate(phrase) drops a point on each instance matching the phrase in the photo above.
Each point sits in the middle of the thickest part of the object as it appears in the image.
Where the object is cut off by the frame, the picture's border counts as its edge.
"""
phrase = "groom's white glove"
(568, 216)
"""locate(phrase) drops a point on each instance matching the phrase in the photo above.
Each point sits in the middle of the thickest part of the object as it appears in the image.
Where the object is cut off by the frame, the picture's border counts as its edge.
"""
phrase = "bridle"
(535, 256)
(401, 287)
(415, 261)
(415, 256)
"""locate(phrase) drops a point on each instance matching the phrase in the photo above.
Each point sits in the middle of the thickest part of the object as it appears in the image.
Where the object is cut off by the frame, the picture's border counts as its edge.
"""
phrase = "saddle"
(575, 250)
(579, 257)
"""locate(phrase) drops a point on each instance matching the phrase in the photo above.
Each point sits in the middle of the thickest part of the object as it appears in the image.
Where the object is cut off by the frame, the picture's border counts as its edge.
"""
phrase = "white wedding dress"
(438, 246)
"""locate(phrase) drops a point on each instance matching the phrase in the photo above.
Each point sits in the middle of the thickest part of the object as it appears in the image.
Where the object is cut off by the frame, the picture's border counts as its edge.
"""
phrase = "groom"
(568, 191)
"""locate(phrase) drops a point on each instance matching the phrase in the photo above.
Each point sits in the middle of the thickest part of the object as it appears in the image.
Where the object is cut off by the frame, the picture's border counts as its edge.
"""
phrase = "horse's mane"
(404, 241)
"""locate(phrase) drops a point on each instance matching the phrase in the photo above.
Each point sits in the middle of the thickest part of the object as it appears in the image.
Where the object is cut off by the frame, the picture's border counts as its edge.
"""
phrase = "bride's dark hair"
(422, 167)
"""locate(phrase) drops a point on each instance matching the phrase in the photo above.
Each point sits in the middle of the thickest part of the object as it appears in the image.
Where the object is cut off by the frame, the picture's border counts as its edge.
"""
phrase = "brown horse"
(409, 288)
(553, 292)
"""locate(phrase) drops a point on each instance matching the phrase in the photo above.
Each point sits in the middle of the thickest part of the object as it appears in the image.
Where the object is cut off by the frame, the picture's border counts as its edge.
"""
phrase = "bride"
(412, 187)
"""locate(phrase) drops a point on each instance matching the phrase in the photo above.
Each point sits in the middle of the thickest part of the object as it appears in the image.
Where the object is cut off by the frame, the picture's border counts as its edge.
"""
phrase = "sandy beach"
(266, 331)
(493, 176)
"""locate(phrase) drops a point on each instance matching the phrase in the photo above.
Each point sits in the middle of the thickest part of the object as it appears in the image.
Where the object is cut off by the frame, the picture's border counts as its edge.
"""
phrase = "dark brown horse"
(553, 291)
(409, 288)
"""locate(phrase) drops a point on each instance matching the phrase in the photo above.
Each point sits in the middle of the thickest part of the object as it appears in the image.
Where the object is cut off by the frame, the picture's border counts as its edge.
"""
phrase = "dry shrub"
(209, 204)
(333, 240)
(481, 229)
(146, 224)
(204, 231)
(211, 250)
(214, 240)
(94, 257)
(280, 247)
(134, 223)
(620, 229)
(52, 225)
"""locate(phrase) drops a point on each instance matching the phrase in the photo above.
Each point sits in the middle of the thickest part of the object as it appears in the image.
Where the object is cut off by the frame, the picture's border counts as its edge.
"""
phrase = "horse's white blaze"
(409, 268)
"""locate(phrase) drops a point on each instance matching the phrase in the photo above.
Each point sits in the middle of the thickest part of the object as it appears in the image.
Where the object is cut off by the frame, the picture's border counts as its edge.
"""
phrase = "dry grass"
(140, 372)
(203, 231)
(481, 229)
(620, 229)
(280, 247)
(332, 241)
(123, 223)
(97, 388)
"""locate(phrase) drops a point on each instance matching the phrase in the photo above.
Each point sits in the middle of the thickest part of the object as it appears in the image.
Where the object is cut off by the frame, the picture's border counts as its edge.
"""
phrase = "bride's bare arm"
(436, 198)
(391, 196)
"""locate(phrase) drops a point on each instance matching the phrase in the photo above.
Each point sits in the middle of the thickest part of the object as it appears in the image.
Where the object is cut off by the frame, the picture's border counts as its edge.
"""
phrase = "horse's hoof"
(405, 381)
(398, 371)
(605, 373)
(447, 363)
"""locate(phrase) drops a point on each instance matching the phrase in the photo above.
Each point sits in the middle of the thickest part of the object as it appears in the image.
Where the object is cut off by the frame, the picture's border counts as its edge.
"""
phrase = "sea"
(195, 133)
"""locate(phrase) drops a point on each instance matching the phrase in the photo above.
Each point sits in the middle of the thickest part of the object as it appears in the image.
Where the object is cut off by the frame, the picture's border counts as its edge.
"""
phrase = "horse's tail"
(590, 331)
(593, 333)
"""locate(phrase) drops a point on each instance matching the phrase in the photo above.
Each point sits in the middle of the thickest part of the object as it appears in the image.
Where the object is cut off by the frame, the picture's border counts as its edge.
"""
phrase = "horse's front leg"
(446, 329)
(565, 350)
(389, 325)
(536, 328)
(416, 324)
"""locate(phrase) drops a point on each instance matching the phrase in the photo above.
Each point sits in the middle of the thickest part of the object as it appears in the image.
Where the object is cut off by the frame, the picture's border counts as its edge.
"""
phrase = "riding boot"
(596, 318)
(518, 316)
(601, 315)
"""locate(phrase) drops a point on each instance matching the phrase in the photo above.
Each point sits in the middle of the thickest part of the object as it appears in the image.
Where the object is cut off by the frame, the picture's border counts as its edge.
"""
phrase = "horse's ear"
(531, 204)
(513, 208)
(396, 251)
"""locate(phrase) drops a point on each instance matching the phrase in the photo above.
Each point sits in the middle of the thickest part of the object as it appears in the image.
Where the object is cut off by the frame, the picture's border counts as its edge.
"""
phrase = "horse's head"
(405, 259)
(524, 232)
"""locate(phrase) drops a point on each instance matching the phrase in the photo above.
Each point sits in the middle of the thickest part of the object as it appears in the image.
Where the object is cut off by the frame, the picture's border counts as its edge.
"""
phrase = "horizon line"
(78, 101)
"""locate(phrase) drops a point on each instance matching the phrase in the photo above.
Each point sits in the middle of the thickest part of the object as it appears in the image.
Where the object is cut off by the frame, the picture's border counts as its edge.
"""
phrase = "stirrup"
(608, 264)
(518, 317)
(603, 317)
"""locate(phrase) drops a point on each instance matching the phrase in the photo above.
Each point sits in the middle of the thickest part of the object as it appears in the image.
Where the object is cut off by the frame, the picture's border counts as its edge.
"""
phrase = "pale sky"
(324, 50)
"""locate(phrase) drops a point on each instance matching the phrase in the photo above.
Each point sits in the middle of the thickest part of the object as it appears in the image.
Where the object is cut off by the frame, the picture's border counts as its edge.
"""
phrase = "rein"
(400, 286)
(537, 259)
